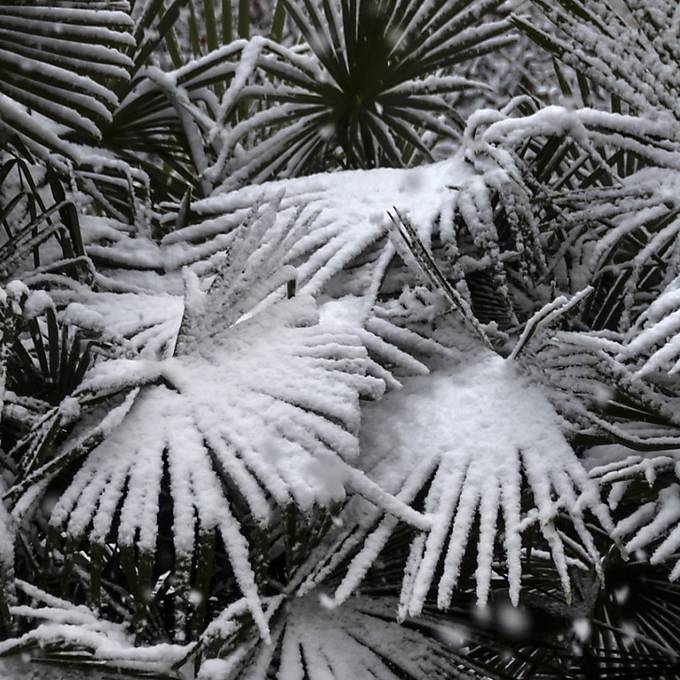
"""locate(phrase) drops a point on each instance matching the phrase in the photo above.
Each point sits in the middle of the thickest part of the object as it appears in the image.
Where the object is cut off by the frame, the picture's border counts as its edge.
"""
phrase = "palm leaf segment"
(652, 352)
(59, 623)
(653, 344)
(654, 523)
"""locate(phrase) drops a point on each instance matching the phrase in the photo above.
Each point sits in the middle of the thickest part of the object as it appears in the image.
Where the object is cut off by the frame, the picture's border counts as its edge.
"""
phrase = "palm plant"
(394, 423)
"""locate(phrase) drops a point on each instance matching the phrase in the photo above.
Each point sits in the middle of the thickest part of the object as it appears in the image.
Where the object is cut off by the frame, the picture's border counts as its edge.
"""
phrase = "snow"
(69, 409)
(37, 303)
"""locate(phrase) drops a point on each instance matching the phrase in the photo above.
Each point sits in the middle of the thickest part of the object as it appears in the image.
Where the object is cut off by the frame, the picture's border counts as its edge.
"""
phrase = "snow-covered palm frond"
(586, 381)
(653, 346)
(70, 633)
(363, 88)
(44, 361)
(173, 113)
(598, 395)
(627, 47)
(271, 409)
(257, 407)
(41, 224)
(315, 640)
(651, 524)
(67, 104)
(59, 64)
(604, 218)
(75, 59)
(366, 88)
(340, 222)
(343, 224)
(496, 429)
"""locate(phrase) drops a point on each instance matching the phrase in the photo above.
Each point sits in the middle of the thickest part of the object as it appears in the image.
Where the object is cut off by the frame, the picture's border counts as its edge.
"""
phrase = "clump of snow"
(36, 303)
(17, 291)
(79, 315)
(69, 409)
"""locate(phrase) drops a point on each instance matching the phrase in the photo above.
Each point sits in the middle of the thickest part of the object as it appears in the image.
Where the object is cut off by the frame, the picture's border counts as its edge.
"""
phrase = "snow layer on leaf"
(62, 623)
(655, 344)
(145, 323)
(653, 525)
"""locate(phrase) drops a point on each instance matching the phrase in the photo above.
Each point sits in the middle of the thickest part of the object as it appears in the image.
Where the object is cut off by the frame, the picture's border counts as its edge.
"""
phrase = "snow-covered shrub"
(396, 422)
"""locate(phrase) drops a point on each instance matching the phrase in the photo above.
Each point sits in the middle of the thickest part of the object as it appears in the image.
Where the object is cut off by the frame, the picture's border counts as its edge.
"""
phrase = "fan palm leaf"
(628, 48)
(61, 624)
(363, 90)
